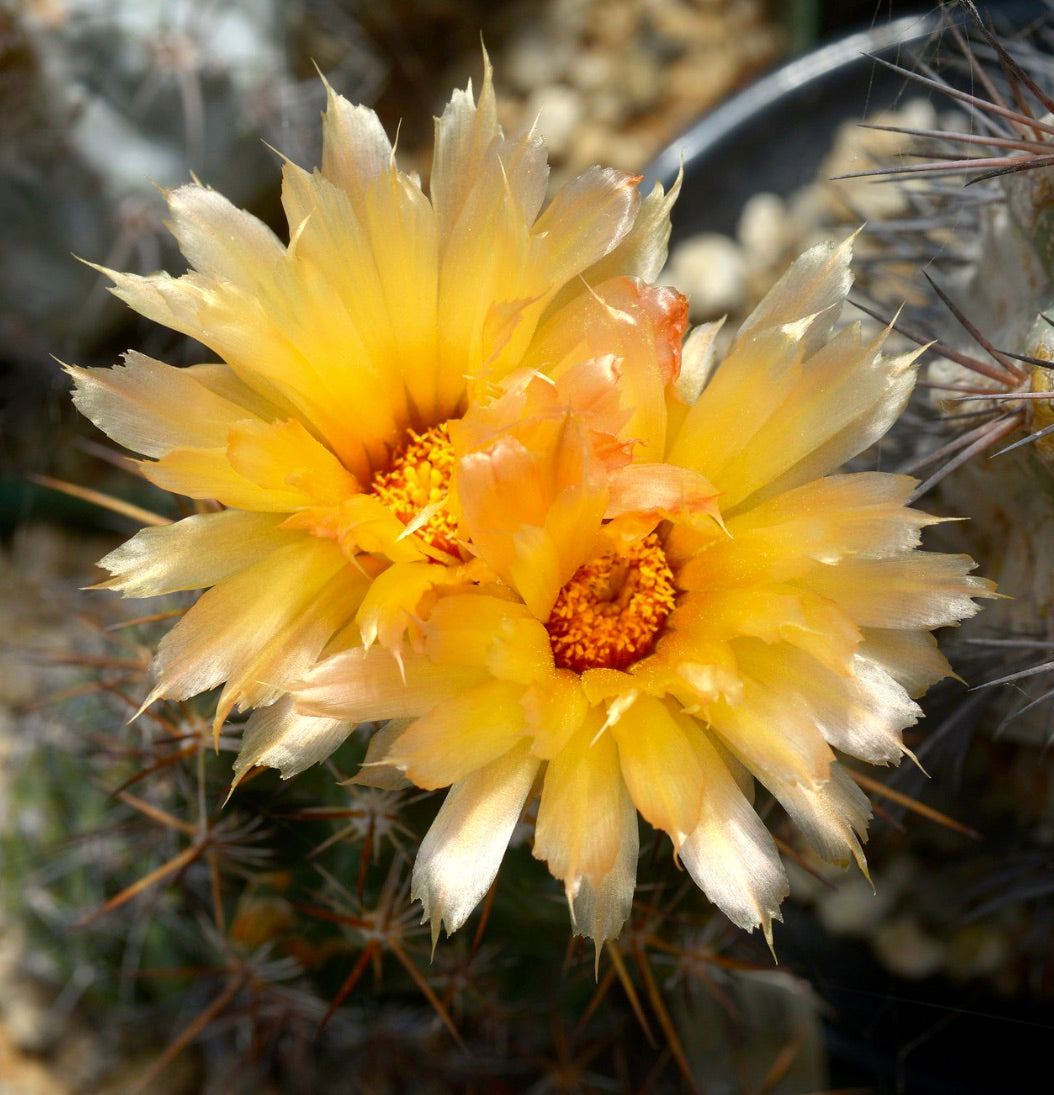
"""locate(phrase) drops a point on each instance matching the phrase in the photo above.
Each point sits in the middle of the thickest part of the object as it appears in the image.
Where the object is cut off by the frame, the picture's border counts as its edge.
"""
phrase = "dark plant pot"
(773, 135)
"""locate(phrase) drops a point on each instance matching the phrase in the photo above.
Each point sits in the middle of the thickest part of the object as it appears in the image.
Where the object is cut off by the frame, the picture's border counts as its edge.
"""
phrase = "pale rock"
(711, 272)
(906, 950)
(556, 111)
(763, 230)
(853, 908)
(536, 59)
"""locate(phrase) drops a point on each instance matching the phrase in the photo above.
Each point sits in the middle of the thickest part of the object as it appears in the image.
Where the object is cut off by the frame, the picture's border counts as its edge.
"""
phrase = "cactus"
(272, 936)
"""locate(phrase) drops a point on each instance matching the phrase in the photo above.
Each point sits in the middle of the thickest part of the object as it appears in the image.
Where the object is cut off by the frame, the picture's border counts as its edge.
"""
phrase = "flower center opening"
(611, 612)
(417, 478)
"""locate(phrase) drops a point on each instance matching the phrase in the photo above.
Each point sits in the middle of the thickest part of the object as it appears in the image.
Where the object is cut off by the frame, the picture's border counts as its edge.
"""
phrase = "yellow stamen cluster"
(611, 612)
(417, 477)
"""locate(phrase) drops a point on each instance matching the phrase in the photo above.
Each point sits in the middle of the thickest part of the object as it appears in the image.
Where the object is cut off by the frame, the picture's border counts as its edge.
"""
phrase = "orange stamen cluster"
(417, 477)
(609, 615)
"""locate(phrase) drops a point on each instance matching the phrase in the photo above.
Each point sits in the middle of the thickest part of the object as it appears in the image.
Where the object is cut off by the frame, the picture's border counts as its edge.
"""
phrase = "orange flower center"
(418, 478)
(611, 612)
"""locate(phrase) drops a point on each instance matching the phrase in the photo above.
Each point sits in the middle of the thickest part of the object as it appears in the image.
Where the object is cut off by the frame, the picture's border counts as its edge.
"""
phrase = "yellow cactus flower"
(725, 608)
(319, 446)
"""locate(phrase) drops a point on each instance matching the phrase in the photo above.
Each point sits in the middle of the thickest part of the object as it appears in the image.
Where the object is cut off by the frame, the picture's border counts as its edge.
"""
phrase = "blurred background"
(103, 103)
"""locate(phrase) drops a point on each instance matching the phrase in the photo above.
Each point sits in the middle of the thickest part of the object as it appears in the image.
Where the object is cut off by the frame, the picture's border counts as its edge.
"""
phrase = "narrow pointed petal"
(815, 285)
(600, 910)
(922, 590)
(222, 241)
(279, 737)
(580, 824)
(361, 685)
(462, 851)
(912, 658)
(196, 552)
(132, 403)
(355, 148)
(730, 855)
(642, 251)
(459, 736)
(587, 219)
(832, 816)
(660, 766)
(259, 645)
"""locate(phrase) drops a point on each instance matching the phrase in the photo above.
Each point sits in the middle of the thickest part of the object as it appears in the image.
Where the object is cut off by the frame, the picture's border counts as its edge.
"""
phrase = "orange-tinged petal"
(580, 827)
(555, 708)
(659, 766)
(658, 492)
(533, 514)
(361, 685)
(640, 329)
(460, 735)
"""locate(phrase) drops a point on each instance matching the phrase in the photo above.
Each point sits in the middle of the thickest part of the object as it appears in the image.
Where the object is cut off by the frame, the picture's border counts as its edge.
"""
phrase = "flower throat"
(418, 477)
(611, 612)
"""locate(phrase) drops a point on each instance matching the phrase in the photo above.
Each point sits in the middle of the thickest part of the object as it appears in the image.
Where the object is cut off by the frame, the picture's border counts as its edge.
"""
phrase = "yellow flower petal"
(261, 629)
(456, 737)
(193, 553)
(555, 708)
(523, 506)
(580, 827)
(921, 590)
(599, 910)
(730, 855)
(660, 766)
(462, 851)
(361, 685)
(279, 737)
(807, 297)
(910, 657)
(640, 329)
(133, 402)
